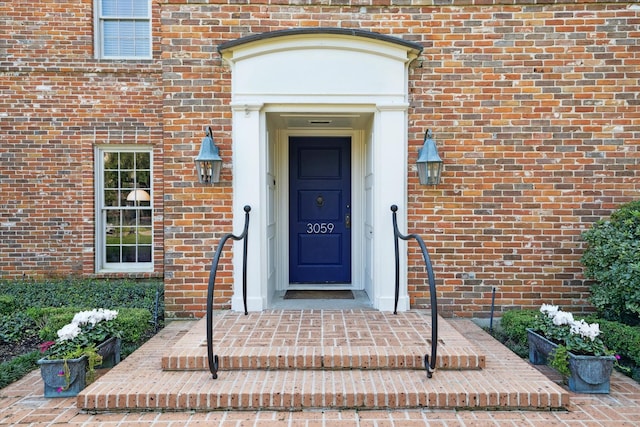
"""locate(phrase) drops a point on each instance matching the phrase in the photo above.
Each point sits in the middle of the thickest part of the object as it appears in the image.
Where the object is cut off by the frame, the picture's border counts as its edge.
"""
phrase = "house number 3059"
(319, 227)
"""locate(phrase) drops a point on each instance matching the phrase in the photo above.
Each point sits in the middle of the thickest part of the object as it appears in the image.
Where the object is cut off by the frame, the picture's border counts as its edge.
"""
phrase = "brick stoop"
(322, 339)
(294, 360)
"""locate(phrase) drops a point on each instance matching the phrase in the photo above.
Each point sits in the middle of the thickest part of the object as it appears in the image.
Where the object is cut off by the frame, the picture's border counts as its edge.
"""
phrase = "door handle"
(347, 221)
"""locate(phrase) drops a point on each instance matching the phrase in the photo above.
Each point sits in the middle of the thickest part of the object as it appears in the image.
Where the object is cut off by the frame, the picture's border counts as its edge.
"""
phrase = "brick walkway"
(22, 403)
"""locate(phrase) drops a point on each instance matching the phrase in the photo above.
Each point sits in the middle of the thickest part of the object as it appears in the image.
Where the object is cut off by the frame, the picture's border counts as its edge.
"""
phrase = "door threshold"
(320, 287)
(360, 301)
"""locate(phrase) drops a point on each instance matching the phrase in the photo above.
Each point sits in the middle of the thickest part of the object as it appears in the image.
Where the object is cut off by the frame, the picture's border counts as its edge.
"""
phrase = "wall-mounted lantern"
(429, 162)
(208, 161)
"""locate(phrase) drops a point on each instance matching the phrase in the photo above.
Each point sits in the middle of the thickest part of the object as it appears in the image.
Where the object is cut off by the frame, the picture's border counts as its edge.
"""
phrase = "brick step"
(139, 383)
(297, 390)
(324, 358)
(360, 339)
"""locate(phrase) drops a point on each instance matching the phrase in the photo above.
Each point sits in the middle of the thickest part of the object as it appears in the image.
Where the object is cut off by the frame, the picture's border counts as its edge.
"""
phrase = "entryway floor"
(360, 301)
(140, 378)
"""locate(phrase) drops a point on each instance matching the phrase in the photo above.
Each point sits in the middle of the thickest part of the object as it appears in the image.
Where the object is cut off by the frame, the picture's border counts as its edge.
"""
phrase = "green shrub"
(16, 326)
(135, 324)
(18, 367)
(514, 323)
(86, 293)
(7, 304)
(612, 259)
(512, 331)
(50, 319)
(559, 360)
(621, 338)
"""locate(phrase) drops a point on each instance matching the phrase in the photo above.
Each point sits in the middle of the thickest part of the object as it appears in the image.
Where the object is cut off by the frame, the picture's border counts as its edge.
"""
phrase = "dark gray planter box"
(110, 352)
(589, 374)
(55, 381)
(53, 371)
(539, 348)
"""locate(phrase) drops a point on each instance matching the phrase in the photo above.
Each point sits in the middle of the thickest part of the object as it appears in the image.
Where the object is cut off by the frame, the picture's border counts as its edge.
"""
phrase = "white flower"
(562, 318)
(73, 329)
(94, 316)
(69, 332)
(585, 329)
(109, 314)
(81, 318)
(549, 309)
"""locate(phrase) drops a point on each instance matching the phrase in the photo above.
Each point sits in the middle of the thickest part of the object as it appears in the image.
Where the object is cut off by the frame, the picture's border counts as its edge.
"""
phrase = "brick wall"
(57, 102)
(536, 113)
(534, 109)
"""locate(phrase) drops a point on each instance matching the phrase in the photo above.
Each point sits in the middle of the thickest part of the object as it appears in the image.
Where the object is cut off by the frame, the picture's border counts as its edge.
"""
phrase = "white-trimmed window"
(124, 202)
(123, 29)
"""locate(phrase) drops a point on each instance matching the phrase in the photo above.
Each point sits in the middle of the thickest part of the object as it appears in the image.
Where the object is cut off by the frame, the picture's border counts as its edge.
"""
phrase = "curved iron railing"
(429, 363)
(213, 358)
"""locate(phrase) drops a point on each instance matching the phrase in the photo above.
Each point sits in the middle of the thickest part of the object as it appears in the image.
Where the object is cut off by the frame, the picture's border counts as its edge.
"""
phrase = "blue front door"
(320, 210)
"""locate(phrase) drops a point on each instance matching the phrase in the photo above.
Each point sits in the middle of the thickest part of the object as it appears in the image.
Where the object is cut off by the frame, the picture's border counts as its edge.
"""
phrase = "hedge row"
(83, 293)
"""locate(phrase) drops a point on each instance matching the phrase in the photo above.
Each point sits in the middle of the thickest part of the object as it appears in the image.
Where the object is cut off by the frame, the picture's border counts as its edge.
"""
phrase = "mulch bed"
(10, 350)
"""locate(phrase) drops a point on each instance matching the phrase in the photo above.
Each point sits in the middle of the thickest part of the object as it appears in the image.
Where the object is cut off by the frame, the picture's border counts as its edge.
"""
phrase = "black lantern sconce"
(208, 161)
(429, 162)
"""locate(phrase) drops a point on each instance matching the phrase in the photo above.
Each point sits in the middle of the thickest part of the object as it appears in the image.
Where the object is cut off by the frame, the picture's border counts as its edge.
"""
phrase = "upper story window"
(124, 217)
(123, 29)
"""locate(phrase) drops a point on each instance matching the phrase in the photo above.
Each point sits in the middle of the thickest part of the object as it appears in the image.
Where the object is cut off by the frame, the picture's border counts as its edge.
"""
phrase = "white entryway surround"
(324, 82)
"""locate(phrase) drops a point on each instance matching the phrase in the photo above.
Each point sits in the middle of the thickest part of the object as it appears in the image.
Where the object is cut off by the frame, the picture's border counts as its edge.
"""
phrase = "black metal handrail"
(429, 363)
(213, 358)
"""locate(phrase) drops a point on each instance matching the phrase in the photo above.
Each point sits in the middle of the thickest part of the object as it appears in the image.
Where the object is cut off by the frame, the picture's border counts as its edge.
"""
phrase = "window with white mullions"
(125, 229)
(123, 29)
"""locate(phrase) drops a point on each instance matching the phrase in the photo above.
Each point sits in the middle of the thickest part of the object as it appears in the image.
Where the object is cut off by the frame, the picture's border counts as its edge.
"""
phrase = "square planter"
(67, 378)
(63, 378)
(110, 352)
(589, 374)
(539, 348)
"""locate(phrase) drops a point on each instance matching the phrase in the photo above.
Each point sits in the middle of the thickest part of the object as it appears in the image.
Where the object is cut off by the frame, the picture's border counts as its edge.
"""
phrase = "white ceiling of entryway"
(318, 120)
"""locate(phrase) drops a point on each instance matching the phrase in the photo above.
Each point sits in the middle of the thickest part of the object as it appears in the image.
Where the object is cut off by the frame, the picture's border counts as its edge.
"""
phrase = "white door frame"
(357, 206)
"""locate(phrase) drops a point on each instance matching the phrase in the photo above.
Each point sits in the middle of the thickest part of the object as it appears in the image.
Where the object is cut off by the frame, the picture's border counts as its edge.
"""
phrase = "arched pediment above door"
(280, 83)
(320, 61)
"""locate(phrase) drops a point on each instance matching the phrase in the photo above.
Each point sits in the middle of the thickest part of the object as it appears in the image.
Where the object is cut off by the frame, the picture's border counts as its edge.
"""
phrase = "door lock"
(347, 221)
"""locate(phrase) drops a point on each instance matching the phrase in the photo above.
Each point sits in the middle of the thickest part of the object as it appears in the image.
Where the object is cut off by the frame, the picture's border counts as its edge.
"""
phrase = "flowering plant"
(88, 328)
(572, 336)
(80, 338)
(578, 336)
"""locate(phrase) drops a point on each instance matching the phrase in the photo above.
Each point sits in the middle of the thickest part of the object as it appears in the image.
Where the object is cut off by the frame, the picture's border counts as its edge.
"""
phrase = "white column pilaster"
(389, 188)
(248, 189)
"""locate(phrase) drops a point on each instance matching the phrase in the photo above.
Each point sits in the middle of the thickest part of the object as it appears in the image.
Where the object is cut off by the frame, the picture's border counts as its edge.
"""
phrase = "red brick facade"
(535, 109)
